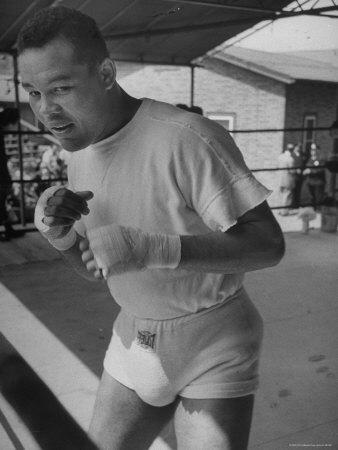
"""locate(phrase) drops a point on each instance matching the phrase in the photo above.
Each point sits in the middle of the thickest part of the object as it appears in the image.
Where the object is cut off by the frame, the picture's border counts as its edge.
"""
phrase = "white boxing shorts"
(211, 354)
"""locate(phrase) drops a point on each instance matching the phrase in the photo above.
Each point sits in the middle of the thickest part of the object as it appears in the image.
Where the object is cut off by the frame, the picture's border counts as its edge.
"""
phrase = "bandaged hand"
(56, 211)
(119, 249)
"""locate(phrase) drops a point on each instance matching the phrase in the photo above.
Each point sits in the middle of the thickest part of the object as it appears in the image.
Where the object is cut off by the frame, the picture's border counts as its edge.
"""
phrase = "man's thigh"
(214, 424)
(122, 421)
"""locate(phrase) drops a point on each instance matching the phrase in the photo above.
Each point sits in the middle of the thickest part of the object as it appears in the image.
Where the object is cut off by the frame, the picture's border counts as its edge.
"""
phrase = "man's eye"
(61, 89)
(34, 93)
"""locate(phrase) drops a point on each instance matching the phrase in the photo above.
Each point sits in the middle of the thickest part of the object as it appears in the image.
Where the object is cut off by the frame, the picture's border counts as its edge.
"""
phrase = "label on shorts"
(146, 339)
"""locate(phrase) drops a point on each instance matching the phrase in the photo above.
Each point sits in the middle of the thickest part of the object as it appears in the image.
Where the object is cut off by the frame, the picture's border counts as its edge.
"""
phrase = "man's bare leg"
(122, 421)
(214, 424)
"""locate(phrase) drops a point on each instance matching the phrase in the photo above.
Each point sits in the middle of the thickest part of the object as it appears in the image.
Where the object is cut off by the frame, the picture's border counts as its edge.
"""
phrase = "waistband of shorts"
(181, 320)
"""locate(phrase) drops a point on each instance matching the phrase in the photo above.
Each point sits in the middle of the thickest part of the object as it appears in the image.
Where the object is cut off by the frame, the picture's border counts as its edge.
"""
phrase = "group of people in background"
(302, 178)
(8, 116)
(52, 165)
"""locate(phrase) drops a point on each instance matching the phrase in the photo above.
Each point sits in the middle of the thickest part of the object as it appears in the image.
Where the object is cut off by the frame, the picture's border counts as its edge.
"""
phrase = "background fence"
(40, 162)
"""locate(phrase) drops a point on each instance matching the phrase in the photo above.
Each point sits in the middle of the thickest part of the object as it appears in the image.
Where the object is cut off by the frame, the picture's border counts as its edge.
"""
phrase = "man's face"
(65, 95)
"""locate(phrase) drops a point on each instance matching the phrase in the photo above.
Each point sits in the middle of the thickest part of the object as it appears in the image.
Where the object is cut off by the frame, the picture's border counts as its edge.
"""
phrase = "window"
(310, 121)
(226, 120)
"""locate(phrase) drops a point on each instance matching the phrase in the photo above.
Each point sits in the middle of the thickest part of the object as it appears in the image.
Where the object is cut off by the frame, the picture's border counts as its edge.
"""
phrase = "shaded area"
(79, 313)
(149, 31)
(50, 424)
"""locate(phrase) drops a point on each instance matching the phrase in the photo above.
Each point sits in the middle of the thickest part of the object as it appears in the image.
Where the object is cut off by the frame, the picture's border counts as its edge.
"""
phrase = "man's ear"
(108, 73)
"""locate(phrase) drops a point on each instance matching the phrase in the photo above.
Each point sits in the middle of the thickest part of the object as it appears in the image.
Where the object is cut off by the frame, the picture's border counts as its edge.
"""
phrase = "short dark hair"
(80, 30)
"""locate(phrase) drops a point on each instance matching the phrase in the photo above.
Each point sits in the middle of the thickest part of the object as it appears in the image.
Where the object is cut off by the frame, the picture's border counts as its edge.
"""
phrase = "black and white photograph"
(168, 224)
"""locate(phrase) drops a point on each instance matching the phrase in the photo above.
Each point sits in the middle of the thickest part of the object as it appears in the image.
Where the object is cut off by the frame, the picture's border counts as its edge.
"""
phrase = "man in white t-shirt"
(161, 204)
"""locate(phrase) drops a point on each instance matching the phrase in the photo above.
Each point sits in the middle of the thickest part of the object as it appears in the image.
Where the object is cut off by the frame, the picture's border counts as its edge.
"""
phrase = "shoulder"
(181, 120)
(192, 134)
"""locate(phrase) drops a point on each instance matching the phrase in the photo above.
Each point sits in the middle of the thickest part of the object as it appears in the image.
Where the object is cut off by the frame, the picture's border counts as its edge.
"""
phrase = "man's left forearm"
(249, 245)
(228, 252)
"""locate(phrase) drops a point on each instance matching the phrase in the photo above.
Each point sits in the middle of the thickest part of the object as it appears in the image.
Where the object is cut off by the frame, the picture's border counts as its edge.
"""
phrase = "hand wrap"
(119, 249)
(55, 235)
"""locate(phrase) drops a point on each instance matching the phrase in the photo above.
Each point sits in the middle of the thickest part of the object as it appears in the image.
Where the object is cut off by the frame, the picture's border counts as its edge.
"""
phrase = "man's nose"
(48, 106)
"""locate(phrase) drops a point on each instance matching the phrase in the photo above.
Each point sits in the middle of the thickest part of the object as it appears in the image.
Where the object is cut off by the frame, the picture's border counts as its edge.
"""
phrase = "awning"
(152, 31)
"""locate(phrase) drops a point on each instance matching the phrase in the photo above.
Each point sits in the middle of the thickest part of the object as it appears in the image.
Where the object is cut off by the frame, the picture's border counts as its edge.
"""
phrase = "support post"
(192, 85)
(20, 147)
(333, 158)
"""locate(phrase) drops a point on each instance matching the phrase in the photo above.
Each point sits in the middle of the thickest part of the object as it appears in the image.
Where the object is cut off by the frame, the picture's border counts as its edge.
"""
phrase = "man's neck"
(125, 107)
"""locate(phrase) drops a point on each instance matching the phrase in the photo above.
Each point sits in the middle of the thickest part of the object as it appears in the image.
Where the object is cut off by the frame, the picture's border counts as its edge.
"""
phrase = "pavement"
(61, 325)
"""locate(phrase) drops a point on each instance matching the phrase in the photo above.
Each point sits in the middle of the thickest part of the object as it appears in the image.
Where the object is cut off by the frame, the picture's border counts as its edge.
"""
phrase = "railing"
(22, 181)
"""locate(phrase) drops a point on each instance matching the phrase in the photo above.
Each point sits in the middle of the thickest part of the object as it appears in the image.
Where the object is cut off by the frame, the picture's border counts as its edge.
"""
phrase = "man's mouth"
(61, 129)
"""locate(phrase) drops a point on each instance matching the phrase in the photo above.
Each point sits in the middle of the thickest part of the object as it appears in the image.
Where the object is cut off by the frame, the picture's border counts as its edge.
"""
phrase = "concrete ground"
(61, 325)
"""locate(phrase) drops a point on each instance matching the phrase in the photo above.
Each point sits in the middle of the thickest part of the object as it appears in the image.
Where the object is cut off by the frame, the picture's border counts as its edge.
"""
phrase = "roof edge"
(257, 68)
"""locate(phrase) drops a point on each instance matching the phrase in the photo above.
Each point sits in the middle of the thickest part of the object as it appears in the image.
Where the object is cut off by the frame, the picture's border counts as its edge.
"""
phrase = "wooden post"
(192, 85)
(17, 105)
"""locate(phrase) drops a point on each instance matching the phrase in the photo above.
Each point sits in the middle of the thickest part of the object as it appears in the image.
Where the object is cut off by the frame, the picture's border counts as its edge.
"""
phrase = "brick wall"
(165, 83)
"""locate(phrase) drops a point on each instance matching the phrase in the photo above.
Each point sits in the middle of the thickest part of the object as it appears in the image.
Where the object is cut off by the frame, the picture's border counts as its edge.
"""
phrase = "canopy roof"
(152, 31)
(320, 65)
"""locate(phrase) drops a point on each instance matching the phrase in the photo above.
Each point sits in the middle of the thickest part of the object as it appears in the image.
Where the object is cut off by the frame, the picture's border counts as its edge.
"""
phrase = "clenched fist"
(56, 211)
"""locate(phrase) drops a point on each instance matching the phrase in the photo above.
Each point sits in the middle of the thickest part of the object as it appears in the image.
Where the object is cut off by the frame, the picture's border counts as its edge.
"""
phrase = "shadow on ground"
(78, 312)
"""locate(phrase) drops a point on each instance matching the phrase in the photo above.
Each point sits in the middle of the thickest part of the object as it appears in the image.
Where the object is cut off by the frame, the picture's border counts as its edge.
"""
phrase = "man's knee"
(214, 423)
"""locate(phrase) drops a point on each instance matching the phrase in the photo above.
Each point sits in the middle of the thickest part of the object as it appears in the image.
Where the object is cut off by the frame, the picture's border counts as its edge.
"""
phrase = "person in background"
(299, 158)
(286, 179)
(8, 116)
(314, 176)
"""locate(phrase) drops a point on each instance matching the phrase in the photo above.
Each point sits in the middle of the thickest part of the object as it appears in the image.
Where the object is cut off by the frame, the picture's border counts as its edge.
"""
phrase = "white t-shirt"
(167, 171)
